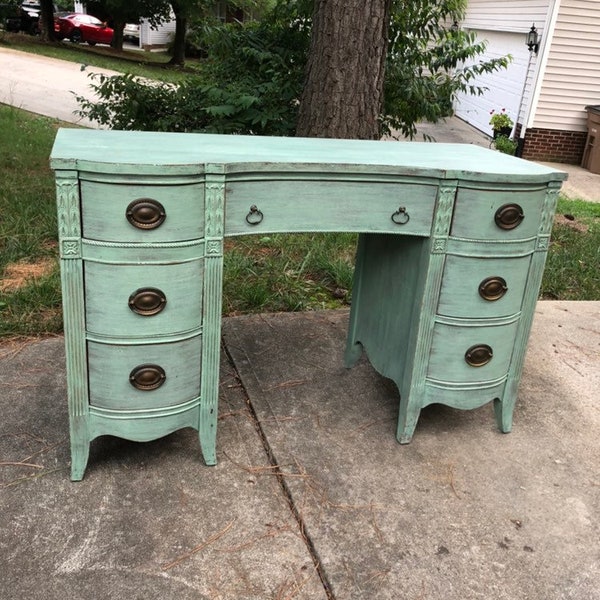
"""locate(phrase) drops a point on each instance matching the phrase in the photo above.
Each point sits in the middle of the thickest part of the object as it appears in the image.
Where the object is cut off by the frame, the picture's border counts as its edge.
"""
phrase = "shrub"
(505, 145)
(250, 84)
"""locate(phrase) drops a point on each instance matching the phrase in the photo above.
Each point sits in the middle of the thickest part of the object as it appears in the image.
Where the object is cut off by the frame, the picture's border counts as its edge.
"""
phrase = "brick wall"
(553, 145)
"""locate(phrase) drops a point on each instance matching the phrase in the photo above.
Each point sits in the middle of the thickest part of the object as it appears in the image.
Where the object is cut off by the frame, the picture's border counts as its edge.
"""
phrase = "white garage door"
(505, 87)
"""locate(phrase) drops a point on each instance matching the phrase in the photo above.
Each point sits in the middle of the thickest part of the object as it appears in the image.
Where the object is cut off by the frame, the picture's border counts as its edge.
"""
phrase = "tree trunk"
(47, 21)
(343, 91)
(178, 57)
(118, 26)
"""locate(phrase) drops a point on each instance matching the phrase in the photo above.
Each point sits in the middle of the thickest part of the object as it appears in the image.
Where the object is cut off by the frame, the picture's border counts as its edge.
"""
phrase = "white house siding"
(156, 38)
(506, 15)
(572, 75)
(504, 26)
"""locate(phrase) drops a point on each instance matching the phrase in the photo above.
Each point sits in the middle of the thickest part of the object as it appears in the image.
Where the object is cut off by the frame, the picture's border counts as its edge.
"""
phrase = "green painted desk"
(449, 263)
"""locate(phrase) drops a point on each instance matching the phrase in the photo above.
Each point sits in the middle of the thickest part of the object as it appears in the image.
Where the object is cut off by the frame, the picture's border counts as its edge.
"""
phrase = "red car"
(82, 28)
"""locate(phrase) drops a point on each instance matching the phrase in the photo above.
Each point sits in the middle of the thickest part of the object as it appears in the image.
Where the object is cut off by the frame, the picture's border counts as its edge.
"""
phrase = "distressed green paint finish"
(179, 359)
(391, 317)
(504, 405)
(412, 386)
(340, 205)
(460, 296)
(429, 241)
(104, 205)
(107, 308)
(73, 301)
(213, 291)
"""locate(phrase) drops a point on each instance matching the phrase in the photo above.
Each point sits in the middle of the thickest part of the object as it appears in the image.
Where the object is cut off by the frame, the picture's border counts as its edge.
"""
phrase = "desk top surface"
(120, 151)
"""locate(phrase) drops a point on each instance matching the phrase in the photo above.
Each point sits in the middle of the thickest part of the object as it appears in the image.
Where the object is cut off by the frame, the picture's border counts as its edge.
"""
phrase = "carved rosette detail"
(70, 248)
(543, 243)
(439, 245)
(214, 248)
(443, 218)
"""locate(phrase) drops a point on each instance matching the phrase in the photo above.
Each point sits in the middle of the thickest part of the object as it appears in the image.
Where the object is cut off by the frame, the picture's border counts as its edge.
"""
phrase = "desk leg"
(76, 365)
(73, 301)
(211, 317)
(80, 447)
(504, 407)
(211, 358)
(395, 288)
(354, 348)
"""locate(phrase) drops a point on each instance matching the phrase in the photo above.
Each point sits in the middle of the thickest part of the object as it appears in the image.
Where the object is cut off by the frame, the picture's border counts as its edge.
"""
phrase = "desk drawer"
(451, 344)
(483, 287)
(497, 214)
(169, 374)
(136, 301)
(295, 206)
(142, 213)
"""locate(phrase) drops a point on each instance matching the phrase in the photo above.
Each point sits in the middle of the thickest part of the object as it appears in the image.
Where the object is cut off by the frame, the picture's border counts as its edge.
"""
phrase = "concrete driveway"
(45, 86)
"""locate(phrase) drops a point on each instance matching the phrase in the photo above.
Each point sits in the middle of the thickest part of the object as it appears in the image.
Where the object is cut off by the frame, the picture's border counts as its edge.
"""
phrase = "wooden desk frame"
(452, 246)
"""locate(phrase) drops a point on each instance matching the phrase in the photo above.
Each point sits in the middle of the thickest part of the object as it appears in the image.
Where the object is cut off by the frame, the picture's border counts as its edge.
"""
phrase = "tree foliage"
(198, 16)
(253, 77)
(430, 60)
(250, 84)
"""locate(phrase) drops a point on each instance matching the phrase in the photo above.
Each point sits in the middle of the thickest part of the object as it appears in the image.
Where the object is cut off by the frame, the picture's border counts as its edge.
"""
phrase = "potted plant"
(501, 123)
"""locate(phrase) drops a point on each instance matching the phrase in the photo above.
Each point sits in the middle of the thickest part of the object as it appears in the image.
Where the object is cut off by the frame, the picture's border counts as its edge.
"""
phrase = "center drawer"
(296, 206)
(145, 376)
(136, 301)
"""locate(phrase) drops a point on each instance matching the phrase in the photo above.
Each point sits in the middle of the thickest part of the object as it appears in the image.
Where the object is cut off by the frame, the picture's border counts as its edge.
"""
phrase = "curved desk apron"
(448, 269)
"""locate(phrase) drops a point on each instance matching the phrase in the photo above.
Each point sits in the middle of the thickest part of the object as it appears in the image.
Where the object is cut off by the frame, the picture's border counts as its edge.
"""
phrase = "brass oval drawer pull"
(509, 216)
(146, 213)
(147, 301)
(493, 288)
(255, 216)
(479, 355)
(401, 217)
(147, 377)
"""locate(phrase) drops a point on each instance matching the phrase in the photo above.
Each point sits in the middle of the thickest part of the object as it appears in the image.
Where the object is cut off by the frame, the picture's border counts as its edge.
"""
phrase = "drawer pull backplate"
(146, 213)
(147, 377)
(479, 355)
(147, 301)
(509, 216)
(493, 288)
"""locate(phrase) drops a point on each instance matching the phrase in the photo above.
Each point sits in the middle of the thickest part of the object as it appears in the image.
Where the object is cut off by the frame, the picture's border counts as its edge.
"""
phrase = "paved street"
(46, 86)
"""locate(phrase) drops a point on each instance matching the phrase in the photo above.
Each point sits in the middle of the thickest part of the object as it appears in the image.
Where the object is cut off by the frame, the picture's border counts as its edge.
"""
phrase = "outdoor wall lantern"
(533, 42)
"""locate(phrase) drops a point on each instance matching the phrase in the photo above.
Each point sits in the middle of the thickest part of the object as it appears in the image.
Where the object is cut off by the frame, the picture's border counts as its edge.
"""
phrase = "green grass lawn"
(269, 273)
(573, 264)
